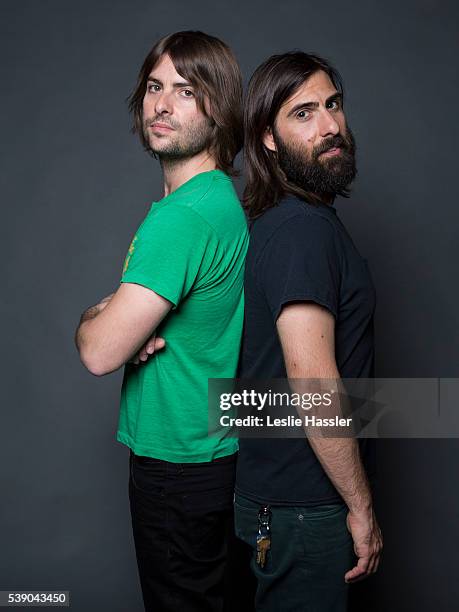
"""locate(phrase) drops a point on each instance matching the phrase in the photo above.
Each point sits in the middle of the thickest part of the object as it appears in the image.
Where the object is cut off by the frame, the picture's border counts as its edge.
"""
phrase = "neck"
(178, 172)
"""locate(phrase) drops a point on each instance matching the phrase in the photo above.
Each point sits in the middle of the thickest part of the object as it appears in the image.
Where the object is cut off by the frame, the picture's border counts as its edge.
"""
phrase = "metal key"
(264, 534)
(263, 545)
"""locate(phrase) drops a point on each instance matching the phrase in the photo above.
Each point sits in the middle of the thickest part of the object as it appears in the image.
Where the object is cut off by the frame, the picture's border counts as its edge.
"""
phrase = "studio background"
(76, 184)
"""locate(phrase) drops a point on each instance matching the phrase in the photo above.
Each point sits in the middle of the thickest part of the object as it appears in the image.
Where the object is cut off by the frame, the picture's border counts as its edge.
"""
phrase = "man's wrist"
(362, 507)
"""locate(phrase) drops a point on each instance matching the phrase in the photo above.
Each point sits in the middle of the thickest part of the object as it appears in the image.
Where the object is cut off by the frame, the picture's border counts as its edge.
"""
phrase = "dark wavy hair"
(272, 83)
(210, 66)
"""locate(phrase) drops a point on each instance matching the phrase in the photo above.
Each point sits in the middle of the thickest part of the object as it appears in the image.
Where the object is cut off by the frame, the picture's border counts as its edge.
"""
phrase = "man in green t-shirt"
(182, 279)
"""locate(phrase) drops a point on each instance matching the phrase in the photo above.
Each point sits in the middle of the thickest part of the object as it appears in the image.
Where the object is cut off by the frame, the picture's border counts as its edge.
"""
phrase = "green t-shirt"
(190, 249)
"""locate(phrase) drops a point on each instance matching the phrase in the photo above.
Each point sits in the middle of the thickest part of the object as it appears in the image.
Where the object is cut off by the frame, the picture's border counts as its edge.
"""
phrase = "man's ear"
(268, 140)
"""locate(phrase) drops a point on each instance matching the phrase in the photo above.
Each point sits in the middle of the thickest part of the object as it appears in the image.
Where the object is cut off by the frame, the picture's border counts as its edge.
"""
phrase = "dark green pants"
(311, 550)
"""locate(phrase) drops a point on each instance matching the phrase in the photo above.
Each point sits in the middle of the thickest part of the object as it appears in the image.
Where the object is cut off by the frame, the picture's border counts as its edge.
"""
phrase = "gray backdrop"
(75, 185)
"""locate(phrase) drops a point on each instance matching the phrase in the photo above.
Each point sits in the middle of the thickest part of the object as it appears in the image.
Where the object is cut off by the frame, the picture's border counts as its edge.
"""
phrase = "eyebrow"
(312, 105)
(176, 85)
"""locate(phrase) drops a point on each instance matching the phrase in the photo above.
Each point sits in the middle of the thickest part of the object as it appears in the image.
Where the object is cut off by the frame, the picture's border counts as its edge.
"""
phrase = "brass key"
(264, 535)
(263, 545)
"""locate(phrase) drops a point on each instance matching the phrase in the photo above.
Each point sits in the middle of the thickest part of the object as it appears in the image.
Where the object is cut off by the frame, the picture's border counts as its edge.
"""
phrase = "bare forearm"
(336, 448)
(340, 458)
(108, 337)
(89, 314)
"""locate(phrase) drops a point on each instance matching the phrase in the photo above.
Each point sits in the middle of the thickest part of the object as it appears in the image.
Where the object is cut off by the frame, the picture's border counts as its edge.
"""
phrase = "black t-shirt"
(300, 252)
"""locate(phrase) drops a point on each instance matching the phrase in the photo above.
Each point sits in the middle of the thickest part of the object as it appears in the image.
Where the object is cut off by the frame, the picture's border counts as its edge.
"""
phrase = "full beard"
(187, 143)
(330, 175)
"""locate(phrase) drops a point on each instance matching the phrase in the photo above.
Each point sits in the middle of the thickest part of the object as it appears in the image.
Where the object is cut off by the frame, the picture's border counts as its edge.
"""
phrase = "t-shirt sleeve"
(300, 262)
(167, 252)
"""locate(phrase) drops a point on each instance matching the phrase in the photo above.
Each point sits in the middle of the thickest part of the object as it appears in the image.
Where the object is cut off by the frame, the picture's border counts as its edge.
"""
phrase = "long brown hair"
(210, 66)
(272, 83)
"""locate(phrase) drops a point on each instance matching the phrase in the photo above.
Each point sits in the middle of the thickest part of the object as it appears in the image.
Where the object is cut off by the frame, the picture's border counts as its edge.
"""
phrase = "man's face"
(173, 125)
(314, 147)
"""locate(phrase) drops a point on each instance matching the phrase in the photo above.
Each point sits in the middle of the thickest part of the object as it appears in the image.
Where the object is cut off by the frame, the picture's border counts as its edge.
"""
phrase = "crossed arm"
(306, 333)
(112, 332)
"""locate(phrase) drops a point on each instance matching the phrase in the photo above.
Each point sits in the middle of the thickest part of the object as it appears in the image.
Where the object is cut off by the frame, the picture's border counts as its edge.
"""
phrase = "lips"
(332, 151)
(161, 127)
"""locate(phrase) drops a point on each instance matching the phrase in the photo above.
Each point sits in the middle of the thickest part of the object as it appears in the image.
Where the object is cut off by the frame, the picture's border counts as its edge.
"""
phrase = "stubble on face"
(183, 142)
(314, 172)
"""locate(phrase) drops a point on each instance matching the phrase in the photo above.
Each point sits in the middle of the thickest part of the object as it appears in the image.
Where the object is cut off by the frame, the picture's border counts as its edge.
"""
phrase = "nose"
(327, 124)
(163, 103)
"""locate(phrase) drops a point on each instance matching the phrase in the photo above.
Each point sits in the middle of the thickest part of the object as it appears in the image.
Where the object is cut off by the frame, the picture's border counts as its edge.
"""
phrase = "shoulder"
(217, 204)
(175, 219)
(292, 221)
(205, 189)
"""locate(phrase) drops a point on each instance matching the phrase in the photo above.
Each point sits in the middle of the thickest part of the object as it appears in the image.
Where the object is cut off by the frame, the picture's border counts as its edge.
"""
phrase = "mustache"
(331, 143)
(148, 122)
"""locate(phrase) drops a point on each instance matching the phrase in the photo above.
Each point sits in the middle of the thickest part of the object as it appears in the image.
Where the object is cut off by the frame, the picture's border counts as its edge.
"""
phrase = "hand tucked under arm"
(152, 345)
(114, 330)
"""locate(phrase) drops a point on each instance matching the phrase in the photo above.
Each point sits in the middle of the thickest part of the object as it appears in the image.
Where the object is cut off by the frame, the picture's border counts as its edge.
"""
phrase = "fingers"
(145, 351)
(152, 345)
(359, 571)
(368, 543)
(158, 344)
(372, 564)
(377, 549)
(142, 354)
(365, 566)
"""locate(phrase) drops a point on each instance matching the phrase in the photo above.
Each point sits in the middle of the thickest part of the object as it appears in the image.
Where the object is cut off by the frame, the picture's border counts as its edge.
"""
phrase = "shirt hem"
(306, 296)
(321, 501)
(154, 285)
(222, 450)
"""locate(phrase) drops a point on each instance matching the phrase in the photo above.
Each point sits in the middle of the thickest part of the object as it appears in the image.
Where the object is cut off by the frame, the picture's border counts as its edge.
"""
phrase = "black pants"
(182, 520)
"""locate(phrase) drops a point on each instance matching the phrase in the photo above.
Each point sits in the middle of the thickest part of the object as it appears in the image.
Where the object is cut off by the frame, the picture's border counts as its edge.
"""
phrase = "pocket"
(147, 475)
(326, 531)
(247, 504)
(325, 511)
(205, 519)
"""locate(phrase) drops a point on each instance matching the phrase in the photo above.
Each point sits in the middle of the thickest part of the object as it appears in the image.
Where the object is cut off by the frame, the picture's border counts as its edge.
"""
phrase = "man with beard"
(182, 278)
(304, 506)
